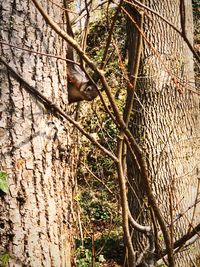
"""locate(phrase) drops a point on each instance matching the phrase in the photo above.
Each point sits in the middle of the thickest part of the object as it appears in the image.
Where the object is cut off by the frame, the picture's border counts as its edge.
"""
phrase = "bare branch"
(137, 226)
(178, 216)
(102, 65)
(63, 8)
(99, 180)
(125, 209)
(79, 17)
(134, 60)
(39, 53)
(185, 238)
(182, 16)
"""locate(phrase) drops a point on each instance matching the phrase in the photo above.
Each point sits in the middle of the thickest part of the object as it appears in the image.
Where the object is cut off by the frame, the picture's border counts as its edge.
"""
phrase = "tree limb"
(180, 242)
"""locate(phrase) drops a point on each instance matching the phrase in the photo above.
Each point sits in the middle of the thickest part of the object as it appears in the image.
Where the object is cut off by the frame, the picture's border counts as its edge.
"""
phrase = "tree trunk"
(36, 150)
(166, 124)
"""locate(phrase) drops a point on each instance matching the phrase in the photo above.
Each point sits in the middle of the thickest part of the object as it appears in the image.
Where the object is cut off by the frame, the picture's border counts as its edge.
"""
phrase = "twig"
(135, 50)
(99, 180)
(86, 28)
(195, 205)
(182, 16)
(102, 65)
(137, 226)
(121, 65)
(180, 242)
(63, 8)
(124, 204)
(186, 210)
(39, 53)
(80, 17)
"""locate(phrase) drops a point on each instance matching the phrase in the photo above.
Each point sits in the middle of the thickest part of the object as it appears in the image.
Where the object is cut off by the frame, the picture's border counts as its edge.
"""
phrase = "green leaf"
(5, 257)
(101, 258)
(3, 182)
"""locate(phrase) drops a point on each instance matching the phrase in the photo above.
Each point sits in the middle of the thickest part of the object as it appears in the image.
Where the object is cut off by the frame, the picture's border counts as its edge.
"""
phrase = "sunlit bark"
(166, 123)
(35, 148)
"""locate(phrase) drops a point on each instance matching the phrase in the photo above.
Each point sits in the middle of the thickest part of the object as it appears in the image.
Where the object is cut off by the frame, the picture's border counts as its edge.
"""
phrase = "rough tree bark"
(166, 124)
(35, 147)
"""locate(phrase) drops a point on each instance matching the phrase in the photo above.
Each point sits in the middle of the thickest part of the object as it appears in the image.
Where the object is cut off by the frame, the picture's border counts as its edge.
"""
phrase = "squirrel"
(79, 85)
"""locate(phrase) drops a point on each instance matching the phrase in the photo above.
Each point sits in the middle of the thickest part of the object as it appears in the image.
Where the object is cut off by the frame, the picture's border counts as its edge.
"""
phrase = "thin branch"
(86, 28)
(186, 210)
(195, 205)
(185, 238)
(103, 62)
(134, 62)
(124, 204)
(121, 65)
(137, 226)
(39, 53)
(82, 10)
(182, 17)
(99, 180)
(63, 8)
(83, 15)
